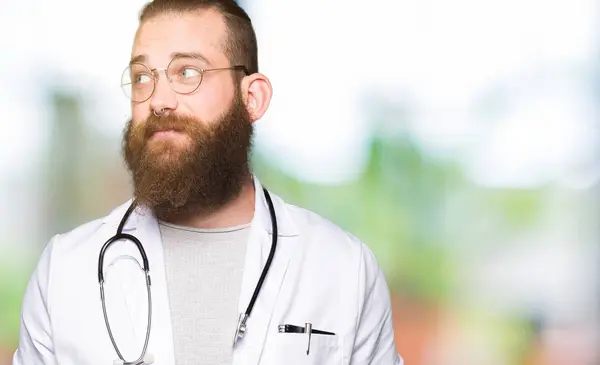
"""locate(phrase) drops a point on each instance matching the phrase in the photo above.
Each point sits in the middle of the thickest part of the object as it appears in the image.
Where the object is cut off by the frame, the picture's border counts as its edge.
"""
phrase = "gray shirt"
(204, 273)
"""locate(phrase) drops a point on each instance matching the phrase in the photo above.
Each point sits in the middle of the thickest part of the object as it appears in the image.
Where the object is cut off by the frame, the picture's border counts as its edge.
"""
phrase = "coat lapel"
(249, 349)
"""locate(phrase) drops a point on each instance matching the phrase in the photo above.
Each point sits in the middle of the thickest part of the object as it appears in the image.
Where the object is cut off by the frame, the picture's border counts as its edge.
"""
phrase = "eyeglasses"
(184, 73)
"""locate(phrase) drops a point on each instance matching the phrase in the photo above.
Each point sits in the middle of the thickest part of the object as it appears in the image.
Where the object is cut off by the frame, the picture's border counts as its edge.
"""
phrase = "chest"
(294, 293)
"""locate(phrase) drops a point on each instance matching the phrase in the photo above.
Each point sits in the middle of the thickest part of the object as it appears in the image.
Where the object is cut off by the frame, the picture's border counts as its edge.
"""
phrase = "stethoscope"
(243, 318)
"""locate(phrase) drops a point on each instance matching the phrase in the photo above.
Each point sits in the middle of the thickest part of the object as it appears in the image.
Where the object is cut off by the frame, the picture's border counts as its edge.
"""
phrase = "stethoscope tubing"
(146, 267)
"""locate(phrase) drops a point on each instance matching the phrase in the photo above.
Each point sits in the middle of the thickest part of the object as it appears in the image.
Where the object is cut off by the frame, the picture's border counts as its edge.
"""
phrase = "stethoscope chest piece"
(240, 329)
(147, 360)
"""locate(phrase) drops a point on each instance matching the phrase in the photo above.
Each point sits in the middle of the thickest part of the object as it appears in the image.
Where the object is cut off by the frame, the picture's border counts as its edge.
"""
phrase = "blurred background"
(458, 139)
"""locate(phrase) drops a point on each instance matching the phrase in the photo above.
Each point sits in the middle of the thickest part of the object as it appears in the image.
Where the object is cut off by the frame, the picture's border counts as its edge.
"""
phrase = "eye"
(142, 78)
(187, 72)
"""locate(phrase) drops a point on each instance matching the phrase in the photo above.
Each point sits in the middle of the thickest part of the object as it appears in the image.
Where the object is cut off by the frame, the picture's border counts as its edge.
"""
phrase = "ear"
(256, 93)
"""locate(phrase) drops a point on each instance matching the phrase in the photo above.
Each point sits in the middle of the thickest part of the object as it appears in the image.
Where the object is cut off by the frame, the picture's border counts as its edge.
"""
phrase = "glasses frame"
(155, 76)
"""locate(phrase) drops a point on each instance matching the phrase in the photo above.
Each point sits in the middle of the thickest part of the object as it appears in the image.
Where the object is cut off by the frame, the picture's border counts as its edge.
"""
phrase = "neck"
(237, 212)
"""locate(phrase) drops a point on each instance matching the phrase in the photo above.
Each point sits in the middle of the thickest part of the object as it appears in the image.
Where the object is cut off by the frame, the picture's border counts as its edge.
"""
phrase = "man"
(235, 275)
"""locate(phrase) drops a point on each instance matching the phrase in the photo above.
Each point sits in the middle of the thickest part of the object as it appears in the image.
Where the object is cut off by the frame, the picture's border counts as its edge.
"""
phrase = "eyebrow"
(142, 58)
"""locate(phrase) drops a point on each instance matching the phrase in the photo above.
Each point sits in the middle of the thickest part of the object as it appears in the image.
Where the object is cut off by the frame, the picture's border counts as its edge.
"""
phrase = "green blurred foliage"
(395, 206)
(413, 210)
(13, 280)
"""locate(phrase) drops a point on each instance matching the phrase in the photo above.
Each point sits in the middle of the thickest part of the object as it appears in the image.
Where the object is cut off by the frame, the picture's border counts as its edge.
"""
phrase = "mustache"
(167, 122)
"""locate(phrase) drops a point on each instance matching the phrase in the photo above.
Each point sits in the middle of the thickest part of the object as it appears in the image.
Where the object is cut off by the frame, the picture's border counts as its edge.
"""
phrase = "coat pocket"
(291, 349)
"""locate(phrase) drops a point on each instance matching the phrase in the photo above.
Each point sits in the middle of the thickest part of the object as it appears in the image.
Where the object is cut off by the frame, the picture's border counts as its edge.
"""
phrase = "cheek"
(140, 112)
(208, 103)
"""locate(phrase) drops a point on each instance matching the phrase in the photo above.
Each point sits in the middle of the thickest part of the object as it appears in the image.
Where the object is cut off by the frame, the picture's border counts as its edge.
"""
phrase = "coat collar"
(262, 219)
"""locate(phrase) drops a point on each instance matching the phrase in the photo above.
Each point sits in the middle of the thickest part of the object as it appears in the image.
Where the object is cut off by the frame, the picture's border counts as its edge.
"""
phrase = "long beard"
(182, 177)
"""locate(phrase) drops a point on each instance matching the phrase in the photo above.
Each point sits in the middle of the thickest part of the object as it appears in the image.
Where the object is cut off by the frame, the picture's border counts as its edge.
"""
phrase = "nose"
(164, 98)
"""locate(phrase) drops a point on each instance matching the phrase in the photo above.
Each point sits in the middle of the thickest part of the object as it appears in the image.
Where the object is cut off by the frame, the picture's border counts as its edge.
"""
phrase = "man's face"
(205, 33)
(193, 158)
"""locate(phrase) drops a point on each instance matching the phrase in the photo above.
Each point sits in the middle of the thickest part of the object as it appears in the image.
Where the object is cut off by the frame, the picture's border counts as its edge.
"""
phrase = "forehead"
(202, 32)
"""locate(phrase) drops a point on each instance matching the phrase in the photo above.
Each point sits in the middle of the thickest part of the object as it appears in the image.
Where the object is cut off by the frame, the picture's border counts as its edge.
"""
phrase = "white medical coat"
(320, 275)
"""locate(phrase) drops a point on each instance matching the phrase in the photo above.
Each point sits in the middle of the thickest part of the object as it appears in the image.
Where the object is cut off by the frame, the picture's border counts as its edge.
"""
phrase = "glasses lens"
(185, 74)
(137, 82)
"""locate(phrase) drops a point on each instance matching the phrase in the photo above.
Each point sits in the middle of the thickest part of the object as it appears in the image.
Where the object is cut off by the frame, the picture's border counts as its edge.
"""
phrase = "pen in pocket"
(290, 328)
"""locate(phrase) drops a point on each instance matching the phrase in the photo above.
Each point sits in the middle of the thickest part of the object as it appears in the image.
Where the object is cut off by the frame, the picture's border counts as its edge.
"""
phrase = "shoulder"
(58, 255)
(76, 239)
(313, 224)
(324, 237)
